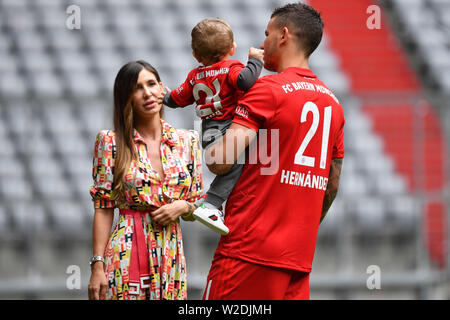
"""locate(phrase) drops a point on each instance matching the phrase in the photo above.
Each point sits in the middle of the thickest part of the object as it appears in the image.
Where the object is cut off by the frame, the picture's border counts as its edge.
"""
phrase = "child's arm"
(166, 98)
(251, 72)
(179, 97)
(168, 101)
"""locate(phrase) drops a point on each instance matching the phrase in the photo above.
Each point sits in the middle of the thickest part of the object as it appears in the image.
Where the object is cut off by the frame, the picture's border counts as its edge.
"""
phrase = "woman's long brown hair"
(124, 87)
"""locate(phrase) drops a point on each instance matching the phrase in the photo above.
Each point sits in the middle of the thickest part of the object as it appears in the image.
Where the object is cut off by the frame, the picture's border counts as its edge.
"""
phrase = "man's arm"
(221, 156)
(333, 185)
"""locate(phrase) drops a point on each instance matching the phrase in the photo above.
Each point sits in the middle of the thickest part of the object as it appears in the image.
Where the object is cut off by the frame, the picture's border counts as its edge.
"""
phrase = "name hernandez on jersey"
(306, 180)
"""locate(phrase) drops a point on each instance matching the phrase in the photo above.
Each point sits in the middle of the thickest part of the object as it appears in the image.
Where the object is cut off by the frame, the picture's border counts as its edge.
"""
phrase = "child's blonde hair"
(212, 39)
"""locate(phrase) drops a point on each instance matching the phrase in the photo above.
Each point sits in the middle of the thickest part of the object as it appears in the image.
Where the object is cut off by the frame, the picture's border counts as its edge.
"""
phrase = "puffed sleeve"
(195, 166)
(103, 170)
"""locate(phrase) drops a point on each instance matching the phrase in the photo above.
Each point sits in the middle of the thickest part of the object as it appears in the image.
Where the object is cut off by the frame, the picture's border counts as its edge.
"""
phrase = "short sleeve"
(103, 170)
(338, 148)
(256, 106)
(183, 94)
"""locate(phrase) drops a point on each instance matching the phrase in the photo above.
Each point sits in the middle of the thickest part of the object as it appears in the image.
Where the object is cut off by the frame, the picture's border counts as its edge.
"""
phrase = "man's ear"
(284, 34)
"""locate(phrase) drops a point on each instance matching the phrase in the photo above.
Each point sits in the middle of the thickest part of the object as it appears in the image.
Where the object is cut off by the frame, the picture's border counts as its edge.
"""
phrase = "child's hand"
(256, 53)
(164, 91)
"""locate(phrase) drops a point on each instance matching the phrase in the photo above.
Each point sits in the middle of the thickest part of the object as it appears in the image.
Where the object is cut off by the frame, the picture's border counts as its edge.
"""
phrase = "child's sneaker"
(212, 218)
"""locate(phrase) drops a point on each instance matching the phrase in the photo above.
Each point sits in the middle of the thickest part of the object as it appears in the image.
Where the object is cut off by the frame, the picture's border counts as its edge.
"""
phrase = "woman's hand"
(97, 284)
(170, 212)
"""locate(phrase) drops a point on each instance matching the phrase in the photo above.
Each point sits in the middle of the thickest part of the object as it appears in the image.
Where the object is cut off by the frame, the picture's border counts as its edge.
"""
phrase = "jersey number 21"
(307, 160)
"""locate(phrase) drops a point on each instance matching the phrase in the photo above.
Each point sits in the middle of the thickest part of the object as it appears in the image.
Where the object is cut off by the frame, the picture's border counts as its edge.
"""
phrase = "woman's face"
(145, 96)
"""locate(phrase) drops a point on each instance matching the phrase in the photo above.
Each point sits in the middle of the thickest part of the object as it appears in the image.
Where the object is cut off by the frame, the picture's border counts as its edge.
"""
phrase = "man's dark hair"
(305, 23)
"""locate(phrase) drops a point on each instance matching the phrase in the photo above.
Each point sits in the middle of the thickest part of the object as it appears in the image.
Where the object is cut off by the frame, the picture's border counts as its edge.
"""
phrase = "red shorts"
(235, 279)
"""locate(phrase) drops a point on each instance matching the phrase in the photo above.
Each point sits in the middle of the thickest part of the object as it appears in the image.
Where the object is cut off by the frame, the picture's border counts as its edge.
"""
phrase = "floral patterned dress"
(166, 264)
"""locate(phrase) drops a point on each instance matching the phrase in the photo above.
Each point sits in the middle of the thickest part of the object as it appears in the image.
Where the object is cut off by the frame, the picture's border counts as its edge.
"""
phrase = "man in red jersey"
(274, 218)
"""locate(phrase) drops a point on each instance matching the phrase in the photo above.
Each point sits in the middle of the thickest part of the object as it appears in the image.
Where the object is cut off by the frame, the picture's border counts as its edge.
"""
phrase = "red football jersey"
(213, 89)
(274, 210)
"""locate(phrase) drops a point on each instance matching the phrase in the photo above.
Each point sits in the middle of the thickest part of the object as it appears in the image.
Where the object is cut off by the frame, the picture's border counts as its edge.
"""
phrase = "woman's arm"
(170, 212)
(103, 219)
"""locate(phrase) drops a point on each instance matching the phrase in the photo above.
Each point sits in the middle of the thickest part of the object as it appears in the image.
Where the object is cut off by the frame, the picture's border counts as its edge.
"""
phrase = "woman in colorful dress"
(152, 173)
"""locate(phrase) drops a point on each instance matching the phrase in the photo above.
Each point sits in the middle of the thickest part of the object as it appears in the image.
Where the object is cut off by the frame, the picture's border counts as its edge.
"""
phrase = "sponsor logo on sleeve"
(241, 111)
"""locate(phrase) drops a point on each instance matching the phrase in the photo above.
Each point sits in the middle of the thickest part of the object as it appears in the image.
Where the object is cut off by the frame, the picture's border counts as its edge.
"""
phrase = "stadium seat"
(12, 85)
(7, 149)
(80, 173)
(405, 213)
(387, 183)
(70, 144)
(11, 167)
(59, 119)
(16, 188)
(69, 217)
(28, 219)
(5, 225)
(35, 145)
(369, 213)
(80, 83)
(428, 24)
(95, 115)
(98, 39)
(45, 167)
(67, 41)
(152, 4)
(53, 188)
(353, 184)
(46, 84)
